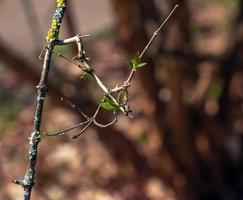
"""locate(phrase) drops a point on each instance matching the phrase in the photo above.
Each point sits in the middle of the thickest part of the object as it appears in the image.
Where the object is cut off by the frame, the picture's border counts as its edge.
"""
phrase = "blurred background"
(185, 142)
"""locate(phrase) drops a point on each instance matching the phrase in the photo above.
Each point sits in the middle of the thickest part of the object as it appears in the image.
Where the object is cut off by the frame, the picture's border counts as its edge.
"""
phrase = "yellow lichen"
(60, 3)
(50, 35)
(54, 24)
(53, 32)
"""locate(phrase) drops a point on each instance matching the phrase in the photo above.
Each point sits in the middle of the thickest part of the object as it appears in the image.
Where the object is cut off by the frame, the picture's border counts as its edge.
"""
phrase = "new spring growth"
(113, 99)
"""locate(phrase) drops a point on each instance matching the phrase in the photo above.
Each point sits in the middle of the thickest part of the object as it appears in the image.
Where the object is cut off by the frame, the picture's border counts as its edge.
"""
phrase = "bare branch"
(92, 119)
(29, 179)
(82, 131)
(64, 57)
(84, 65)
(68, 129)
(77, 108)
(155, 34)
(89, 122)
(120, 88)
(52, 39)
(106, 125)
(157, 31)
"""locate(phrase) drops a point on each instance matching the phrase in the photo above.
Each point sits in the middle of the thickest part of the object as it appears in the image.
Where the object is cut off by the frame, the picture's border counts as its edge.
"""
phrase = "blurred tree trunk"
(149, 10)
(231, 113)
(33, 23)
(179, 135)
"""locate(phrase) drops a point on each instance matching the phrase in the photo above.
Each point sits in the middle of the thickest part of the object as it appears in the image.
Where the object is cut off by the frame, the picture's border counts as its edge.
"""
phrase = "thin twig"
(74, 106)
(68, 129)
(90, 122)
(120, 88)
(82, 131)
(65, 57)
(88, 69)
(106, 125)
(155, 34)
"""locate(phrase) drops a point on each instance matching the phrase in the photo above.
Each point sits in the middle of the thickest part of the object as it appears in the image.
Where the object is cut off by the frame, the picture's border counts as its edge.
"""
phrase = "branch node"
(74, 137)
(42, 87)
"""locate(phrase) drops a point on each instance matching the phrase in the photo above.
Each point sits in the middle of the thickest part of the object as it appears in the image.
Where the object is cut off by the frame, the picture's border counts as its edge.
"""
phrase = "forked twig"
(107, 125)
(84, 65)
(87, 123)
(66, 130)
(52, 39)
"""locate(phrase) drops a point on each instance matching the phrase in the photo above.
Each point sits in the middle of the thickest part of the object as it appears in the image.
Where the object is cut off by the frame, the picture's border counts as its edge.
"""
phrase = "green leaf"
(108, 104)
(141, 65)
(135, 63)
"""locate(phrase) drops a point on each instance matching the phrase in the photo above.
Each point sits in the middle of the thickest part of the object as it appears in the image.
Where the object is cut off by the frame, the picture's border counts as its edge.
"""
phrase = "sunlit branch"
(155, 34)
(109, 93)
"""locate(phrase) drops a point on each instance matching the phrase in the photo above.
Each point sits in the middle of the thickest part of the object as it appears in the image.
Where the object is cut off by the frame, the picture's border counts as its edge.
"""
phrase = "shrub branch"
(29, 179)
(113, 99)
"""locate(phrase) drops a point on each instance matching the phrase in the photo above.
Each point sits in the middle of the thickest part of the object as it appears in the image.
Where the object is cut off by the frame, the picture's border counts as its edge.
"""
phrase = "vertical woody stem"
(29, 179)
